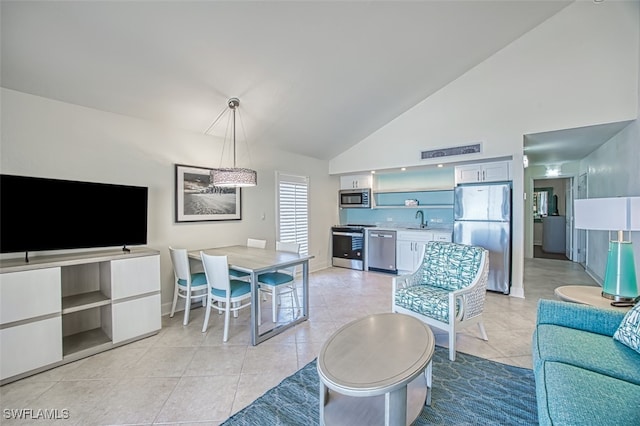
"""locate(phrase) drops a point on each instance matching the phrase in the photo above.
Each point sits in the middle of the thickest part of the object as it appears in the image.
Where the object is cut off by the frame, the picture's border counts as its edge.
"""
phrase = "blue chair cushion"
(450, 266)
(274, 278)
(197, 280)
(238, 288)
(432, 302)
(236, 273)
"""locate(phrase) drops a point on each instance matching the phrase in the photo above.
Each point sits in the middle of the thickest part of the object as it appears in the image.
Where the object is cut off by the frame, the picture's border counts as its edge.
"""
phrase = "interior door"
(581, 233)
(568, 202)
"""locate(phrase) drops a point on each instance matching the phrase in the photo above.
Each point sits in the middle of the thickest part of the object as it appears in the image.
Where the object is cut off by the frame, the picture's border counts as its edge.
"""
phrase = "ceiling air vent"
(448, 152)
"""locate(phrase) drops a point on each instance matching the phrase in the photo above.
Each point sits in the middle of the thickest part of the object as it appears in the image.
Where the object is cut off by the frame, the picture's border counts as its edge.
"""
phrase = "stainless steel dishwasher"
(382, 251)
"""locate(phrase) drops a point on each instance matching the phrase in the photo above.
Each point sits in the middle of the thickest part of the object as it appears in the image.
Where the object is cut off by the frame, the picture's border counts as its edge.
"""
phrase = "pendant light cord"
(216, 120)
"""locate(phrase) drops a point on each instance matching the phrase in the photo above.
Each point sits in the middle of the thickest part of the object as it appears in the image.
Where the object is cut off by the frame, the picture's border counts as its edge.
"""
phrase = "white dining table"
(256, 261)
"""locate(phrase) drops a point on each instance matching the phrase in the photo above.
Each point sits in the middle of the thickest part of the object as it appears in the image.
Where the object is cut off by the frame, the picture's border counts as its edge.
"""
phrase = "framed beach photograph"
(197, 199)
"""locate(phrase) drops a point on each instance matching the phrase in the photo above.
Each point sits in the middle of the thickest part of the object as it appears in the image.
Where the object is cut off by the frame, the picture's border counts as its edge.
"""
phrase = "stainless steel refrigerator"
(482, 217)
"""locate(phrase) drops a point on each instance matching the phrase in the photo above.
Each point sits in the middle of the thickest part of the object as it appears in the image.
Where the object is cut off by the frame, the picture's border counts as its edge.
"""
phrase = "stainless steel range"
(348, 246)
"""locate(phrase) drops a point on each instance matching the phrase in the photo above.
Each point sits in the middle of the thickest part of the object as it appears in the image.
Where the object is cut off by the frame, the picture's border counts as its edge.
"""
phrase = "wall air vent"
(448, 152)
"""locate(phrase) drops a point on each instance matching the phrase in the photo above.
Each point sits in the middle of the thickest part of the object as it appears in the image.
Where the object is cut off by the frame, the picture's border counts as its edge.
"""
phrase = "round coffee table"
(374, 367)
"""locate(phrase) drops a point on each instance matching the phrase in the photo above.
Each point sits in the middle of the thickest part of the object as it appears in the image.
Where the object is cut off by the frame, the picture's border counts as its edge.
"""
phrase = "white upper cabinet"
(485, 172)
(355, 181)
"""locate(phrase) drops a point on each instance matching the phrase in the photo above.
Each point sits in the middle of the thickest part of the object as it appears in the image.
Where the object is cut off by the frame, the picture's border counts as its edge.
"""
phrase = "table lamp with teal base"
(620, 282)
(614, 214)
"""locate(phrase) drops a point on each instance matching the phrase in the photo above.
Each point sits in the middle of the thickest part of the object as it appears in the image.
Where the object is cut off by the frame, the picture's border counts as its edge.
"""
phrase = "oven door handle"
(349, 234)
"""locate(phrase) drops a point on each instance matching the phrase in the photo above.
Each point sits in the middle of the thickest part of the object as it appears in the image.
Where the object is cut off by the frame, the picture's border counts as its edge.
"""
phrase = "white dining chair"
(188, 286)
(279, 282)
(224, 294)
(241, 275)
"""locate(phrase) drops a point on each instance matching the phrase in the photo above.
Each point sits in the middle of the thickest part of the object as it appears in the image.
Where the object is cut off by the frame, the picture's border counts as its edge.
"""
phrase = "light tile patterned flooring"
(183, 376)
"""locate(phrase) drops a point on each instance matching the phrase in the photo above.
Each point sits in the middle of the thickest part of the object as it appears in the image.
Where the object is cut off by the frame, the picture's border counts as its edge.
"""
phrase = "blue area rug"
(469, 391)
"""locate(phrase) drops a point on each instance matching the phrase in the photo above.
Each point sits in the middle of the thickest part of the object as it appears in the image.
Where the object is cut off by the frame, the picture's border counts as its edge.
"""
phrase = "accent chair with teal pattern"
(448, 289)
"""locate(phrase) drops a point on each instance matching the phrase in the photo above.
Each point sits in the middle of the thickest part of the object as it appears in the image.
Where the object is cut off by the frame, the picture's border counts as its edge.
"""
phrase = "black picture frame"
(198, 200)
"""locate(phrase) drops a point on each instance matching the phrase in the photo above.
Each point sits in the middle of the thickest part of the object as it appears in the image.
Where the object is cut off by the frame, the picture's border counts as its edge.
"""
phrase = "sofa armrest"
(579, 316)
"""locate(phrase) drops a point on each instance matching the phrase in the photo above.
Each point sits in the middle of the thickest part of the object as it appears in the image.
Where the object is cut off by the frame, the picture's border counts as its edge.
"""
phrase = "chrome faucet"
(421, 214)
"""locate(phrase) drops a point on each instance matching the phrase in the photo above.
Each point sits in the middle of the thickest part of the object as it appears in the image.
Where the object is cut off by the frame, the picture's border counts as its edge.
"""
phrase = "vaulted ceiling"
(313, 77)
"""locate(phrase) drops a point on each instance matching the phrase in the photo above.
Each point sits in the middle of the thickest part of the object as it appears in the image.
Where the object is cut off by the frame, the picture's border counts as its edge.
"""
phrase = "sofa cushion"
(450, 266)
(571, 395)
(629, 331)
(591, 351)
(432, 302)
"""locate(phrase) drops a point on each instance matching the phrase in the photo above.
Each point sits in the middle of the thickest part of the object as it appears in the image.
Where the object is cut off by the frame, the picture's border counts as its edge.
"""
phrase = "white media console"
(58, 309)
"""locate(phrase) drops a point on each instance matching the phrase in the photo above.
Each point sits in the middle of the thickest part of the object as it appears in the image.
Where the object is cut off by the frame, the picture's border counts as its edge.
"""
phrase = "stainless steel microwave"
(355, 198)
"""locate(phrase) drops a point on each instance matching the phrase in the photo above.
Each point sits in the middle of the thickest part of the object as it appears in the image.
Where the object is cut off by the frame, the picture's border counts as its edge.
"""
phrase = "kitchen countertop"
(445, 230)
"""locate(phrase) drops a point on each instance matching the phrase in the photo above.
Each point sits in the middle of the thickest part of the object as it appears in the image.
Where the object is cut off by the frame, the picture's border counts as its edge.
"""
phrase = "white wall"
(578, 68)
(47, 138)
(612, 171)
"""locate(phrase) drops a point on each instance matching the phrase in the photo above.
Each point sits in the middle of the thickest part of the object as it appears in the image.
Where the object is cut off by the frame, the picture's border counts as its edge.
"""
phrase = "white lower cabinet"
(30, 346)
(57, 309)
(410, 249)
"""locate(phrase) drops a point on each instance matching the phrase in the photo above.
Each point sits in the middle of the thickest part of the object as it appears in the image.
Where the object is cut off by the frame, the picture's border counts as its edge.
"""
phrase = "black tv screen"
(39, 214)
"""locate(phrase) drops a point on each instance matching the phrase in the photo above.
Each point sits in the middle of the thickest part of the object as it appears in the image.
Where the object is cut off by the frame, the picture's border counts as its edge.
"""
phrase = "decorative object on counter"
(614, 214)
(411, 202)
(232, 176)
(198, 199)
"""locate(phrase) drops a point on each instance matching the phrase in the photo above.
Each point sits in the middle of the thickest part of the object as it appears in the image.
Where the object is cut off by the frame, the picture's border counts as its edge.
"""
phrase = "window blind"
(292, 210)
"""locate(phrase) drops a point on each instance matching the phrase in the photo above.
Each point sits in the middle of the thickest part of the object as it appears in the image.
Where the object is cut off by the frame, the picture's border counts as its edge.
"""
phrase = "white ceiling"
(562, 146)
(313, 77)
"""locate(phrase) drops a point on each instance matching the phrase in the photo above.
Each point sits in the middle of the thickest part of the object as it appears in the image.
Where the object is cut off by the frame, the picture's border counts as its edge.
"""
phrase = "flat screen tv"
(38, 214)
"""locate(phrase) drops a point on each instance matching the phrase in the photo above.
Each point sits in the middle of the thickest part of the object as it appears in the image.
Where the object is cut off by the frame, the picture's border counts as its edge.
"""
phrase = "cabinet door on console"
(135, 276)
(31, 331)
(137, 317)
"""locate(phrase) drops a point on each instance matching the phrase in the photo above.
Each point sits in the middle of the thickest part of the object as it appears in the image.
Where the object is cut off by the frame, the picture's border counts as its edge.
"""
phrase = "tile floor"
(183, 376)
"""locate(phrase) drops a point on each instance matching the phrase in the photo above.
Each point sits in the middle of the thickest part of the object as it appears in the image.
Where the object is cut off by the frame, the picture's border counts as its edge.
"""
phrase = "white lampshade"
(634, 212)
(608, 214)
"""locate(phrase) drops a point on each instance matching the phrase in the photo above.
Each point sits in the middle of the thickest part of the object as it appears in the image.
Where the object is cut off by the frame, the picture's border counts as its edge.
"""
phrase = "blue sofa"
(583, 376)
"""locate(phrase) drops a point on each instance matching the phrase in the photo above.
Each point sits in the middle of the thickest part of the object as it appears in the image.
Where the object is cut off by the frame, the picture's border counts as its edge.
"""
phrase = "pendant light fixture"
(232, 176)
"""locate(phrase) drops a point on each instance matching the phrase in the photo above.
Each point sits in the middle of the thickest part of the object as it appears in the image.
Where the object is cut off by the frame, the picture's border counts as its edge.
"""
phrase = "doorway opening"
(552, 230)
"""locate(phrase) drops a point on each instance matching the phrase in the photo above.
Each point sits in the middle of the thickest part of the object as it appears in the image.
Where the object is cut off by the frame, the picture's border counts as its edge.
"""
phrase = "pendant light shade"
(232, 176)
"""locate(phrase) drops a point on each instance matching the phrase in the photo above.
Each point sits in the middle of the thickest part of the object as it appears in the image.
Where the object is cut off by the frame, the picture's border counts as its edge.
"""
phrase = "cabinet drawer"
(441, 236)
(131, 277)
(30, 346)
(416, 236)
(136, 317)
(29, 294)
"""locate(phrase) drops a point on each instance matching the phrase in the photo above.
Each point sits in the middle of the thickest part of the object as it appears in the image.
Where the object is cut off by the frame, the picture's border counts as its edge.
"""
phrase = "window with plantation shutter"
(292, 213)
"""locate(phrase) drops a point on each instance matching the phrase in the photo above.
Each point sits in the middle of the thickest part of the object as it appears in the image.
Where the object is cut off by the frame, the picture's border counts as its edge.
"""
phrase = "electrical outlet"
(389, 219)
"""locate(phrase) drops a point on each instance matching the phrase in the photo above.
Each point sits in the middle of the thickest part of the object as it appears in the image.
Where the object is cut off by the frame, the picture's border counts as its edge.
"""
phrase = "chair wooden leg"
(227, 311)
(274, 303)
(208, 307)
(483, 332)
(175, 301)
(452, 345)
(259, 307)
(187, 308)
(296, 301)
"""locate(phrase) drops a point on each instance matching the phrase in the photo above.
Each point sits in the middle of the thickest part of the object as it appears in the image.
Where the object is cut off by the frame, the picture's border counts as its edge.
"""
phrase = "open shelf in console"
(86, 340)
(86, 306)
(80, 302)
(86, 329)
